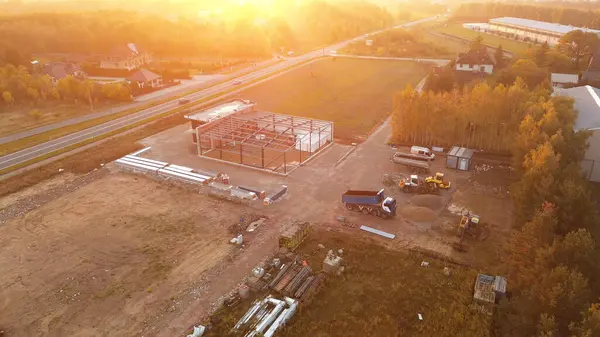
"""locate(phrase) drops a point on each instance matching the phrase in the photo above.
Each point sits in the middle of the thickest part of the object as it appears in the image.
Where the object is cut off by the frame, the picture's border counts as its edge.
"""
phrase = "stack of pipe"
(287, 278)
(313, 288)
(304, 286)
(296, 282)
(276, 279)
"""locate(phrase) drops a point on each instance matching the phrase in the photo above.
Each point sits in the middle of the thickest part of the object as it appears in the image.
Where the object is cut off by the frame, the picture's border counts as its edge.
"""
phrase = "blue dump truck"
(370, 202)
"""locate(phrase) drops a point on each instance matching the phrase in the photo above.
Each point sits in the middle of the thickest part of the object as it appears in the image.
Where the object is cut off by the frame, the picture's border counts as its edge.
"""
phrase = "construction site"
(194, 235)
(264, 140)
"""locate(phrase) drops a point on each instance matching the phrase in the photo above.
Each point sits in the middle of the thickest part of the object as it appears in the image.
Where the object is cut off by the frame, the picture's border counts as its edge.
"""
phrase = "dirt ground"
(125, 255)
(109, 257)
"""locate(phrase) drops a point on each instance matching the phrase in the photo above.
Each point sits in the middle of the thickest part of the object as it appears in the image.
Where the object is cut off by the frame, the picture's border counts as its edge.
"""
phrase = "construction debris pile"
(392, 179)
(290, 281)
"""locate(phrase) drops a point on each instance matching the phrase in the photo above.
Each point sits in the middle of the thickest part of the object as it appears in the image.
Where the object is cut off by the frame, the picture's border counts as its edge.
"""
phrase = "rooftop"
(587, 103)
(461, 152)
(143, 75)
(221, 110)
(60, 70)
(479, 56)
(540, 25)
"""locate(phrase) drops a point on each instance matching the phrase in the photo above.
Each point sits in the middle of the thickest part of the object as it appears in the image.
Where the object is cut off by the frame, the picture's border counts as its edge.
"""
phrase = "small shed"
(489, 289)
(459, 158)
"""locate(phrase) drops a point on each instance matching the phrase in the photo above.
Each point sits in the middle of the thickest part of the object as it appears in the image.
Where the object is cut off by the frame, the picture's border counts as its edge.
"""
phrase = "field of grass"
(454, 47)
(400, 43)
(355, 94)
(380, 293)
(22, 117)
(516, 47)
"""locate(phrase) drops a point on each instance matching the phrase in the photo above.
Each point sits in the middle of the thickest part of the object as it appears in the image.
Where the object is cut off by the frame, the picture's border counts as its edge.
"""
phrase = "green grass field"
(516, 47)
(355, 94)
(380, 293)
(454, 47)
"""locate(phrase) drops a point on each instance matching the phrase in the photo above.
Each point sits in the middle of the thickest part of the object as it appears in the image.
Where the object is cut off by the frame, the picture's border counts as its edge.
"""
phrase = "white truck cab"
(423, 151)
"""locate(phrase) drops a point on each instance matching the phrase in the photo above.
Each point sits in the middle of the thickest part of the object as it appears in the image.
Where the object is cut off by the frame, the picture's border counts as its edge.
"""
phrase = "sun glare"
(265, 7)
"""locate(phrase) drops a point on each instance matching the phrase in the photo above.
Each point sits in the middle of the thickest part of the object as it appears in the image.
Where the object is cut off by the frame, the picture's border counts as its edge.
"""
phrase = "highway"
(33, 152)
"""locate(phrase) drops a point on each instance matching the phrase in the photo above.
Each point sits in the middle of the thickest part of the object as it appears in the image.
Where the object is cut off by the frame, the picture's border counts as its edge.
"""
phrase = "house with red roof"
(144, 78)
(59, 70)
(475, 60)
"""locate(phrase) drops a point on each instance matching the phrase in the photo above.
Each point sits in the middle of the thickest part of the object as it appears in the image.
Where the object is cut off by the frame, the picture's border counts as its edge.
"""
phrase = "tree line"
(483, 11)
(485, 117)
(245, 34)
(551, 256)
(18, 86)
(550, 260)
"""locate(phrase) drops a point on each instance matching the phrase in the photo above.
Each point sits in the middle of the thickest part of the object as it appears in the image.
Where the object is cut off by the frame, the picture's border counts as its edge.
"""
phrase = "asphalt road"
(33, 152)
(106, 112)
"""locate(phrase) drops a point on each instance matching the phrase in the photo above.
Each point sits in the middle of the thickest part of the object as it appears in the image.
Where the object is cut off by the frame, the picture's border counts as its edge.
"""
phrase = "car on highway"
(237, 82)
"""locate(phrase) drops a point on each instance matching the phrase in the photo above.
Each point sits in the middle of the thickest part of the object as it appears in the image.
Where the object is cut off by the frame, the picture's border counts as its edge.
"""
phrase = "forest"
(551, 255)
(483, 11)
(313, 25)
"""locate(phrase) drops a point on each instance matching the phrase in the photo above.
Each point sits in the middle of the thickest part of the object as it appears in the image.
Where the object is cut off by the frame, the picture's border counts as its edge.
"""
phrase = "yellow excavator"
(439, 180)
(468, 225)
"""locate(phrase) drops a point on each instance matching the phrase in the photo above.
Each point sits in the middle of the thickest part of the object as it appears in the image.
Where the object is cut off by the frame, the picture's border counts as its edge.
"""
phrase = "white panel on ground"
(180, 175)
(378, 232)
(142, 162)
(181, 168)
(136, 166)
(147, 160)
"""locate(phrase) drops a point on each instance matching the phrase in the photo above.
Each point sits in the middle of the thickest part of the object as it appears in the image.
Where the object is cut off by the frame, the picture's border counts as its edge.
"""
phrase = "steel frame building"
(264, 140)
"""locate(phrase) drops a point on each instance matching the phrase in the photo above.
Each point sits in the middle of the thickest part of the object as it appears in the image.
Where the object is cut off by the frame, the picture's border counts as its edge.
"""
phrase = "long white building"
(534, 31)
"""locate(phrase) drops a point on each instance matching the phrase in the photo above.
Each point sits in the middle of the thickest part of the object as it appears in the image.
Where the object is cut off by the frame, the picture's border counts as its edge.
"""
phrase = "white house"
(587, 104)
(475, 61)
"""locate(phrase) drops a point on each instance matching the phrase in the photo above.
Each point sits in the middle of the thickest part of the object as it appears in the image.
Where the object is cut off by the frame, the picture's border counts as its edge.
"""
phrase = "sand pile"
(418, 214)
(429, 201)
